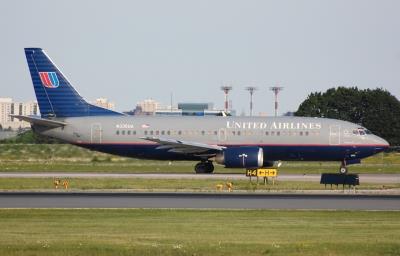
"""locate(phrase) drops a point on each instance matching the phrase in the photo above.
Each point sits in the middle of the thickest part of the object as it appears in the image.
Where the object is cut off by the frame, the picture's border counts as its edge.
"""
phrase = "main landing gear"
(343, 168)
(204, 167)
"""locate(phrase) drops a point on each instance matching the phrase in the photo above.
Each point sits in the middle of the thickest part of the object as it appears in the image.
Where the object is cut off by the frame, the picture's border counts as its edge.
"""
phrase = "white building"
(9, 107)
(148, 106)
(5, 110)
(104, 103)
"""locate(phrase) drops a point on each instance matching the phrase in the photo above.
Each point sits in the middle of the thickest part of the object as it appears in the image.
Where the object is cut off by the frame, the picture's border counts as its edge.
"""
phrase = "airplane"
(235, 142)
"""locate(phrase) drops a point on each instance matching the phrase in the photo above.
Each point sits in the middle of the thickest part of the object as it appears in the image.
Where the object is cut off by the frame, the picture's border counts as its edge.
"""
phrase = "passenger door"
(334, 135)
(222, 134)
(96, 133)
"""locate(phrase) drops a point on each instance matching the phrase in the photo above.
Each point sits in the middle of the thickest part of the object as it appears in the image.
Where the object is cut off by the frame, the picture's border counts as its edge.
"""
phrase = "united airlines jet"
(235, 142)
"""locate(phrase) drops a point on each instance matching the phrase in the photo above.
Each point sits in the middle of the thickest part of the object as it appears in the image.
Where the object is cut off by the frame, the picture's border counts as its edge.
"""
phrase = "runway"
(198, 200)
(364, 178)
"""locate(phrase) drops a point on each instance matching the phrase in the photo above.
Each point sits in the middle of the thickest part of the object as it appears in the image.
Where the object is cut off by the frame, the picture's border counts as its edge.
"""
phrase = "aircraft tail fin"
(55, 95)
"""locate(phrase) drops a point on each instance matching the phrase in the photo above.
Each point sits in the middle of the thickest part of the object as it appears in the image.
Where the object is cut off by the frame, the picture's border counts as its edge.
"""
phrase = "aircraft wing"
(185, 147)
(40, 121)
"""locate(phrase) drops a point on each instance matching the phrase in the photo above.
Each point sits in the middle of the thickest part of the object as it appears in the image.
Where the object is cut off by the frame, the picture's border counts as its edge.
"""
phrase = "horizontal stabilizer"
(40, 121)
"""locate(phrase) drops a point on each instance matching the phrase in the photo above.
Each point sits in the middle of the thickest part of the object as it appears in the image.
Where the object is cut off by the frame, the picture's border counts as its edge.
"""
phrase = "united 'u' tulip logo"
(49, 79)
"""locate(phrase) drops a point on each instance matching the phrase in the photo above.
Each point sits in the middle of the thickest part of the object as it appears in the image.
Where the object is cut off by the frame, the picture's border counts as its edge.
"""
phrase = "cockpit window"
(361, 131)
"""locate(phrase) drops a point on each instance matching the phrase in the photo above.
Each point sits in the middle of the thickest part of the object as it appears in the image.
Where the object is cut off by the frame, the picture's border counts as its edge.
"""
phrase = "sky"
(129, 50)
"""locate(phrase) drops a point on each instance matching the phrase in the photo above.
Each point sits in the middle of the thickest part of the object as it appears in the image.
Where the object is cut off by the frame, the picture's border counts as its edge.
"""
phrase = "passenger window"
(266, 133)
(123, 132)
(278, 133)
(272, 133)
(145, 132)
(129, 132)
(117, 132)
(157, 132)
(203, 133)
(162, 132)
(168, 132)
(215, 132)
(151, 132)
(238, 133)
(134, 132)
(301, 133)
(179, 132)
(307, 133)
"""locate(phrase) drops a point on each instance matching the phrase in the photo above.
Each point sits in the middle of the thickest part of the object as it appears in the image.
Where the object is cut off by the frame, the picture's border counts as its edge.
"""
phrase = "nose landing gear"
(343, 168)
(204, 167)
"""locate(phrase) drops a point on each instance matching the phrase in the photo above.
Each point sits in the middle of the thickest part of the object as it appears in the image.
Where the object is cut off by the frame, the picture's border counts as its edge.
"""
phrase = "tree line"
(375, 109)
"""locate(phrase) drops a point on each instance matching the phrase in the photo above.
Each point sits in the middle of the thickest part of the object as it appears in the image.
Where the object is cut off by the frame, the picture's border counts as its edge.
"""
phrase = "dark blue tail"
(55, 95)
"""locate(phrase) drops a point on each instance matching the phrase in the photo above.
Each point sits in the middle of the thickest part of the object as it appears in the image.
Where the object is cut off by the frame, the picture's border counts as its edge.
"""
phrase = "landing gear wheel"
(210, 167)
(343, 167)
(343, 170)
(204, 167)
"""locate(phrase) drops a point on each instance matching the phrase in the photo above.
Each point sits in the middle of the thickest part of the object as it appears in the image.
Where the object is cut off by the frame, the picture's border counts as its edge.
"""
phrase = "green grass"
(68, 158)
(197, 232)
(199, 185)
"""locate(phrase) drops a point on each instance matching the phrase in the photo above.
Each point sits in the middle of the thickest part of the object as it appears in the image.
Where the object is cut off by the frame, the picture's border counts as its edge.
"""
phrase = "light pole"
(226, 90)
(276, 90)
(251, 90)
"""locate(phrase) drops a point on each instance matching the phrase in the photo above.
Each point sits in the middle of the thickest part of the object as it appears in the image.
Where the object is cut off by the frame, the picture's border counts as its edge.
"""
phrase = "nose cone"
(380, 144)
(384, 142)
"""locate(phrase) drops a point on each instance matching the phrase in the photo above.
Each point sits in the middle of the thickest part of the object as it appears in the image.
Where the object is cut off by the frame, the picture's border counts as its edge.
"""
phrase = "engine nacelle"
(241, 157)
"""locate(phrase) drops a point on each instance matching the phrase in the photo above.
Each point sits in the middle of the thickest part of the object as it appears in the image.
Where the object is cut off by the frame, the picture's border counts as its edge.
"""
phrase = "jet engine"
(241, 157)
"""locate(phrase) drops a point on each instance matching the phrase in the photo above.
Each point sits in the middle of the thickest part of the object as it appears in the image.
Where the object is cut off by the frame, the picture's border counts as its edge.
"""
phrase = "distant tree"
(1, 127)
(377, 109)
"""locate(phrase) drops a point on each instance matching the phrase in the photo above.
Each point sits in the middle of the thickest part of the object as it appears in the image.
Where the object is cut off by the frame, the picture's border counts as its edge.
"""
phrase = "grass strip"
(167, 184)
(197, 232)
